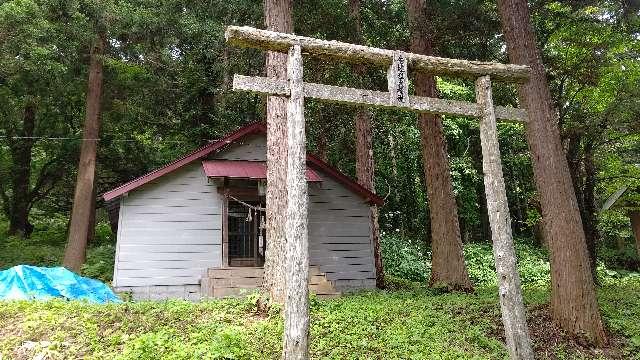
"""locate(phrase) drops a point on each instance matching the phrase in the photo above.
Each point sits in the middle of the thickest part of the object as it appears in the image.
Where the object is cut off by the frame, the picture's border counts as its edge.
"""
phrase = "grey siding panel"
(166, 264)
(344, 228)
(178, 217)
(214, 223)
(180, 280)
(337, 216)
(152, 273)
(175, 210)
(162, 292)
(172, 204)
(163, 248)
(167, 256)
(169, 231)
(346, 240)
(172, 237)
(252, 148)
(340, 233)
(339, 246)
(350, 275)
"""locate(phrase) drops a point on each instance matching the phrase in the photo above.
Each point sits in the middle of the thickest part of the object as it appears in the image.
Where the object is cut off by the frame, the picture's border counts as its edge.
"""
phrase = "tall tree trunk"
(277, 17)
(83, 201)
(91, 230)
(21, 174)
(448, 266)
(321, 142)
(589, 210)
(484, 232)
(365, 166)
(573, 299)
(394, 175)
(634, 216)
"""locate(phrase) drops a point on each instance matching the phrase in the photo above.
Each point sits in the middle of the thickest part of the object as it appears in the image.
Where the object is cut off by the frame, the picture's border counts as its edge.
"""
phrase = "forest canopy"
(167, 90)
(96, 93)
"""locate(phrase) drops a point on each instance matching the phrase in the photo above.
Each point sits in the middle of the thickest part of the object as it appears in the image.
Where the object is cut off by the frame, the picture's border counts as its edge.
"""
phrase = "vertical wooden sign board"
(296, 324)
(398, 80)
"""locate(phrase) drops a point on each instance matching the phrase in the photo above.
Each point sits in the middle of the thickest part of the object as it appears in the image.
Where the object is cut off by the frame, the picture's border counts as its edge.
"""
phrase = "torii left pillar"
(296, 311)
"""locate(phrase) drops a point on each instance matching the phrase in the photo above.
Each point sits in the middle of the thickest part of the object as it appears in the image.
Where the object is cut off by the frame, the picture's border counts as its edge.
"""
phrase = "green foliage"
(615, 258)
(411, 261)
(533, 265)
(14, 251)
(49, 229)
(357, 326)
(393, 283)
(225, 343)
(620, 306)
(418, 324)
(614, 227)
(404, 258)
(103, 234)
(99, 264)
(46, 246)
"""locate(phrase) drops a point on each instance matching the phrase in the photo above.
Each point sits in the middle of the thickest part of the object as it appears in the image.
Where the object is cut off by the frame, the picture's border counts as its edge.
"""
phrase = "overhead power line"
(57, 138)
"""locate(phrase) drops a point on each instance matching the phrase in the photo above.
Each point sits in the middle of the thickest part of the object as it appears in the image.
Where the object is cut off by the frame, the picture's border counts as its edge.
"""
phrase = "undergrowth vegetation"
(405, 321)
(45, 247)
(408, 259)
(405, 324)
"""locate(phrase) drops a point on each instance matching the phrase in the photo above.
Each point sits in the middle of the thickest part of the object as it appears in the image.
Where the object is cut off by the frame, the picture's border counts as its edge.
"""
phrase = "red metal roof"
(241, 169)
(253, 128)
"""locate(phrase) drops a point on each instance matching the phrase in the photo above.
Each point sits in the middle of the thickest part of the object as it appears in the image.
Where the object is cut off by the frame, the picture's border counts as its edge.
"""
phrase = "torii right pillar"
(509, 290)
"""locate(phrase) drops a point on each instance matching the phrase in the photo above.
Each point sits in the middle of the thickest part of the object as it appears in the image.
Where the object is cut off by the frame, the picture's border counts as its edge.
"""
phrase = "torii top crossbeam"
(273, 41)
(398, 82)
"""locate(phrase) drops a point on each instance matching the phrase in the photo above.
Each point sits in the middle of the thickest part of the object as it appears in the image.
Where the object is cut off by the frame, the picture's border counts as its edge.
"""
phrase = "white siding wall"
(169, 231)
(251, 148)
(340, 234)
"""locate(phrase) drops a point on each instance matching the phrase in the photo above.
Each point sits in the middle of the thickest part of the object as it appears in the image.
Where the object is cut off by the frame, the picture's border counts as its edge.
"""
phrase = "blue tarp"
(25, 282)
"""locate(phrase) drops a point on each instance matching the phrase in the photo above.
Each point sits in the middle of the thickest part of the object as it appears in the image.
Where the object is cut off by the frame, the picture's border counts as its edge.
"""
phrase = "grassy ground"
(405, 324)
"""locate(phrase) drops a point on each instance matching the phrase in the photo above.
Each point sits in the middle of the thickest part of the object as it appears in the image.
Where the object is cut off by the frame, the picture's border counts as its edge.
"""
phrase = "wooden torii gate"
(296, 314)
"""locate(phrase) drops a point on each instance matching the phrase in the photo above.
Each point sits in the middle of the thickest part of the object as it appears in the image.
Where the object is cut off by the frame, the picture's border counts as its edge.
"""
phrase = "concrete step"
(237, 281)
(232, 273)
(329, 295)
(317, 279)
(324, 288)
(240, 281)
(232, 292)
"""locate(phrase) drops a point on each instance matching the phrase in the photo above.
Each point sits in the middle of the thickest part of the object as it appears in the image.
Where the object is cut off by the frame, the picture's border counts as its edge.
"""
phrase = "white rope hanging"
(261, 224)
(257, 208)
